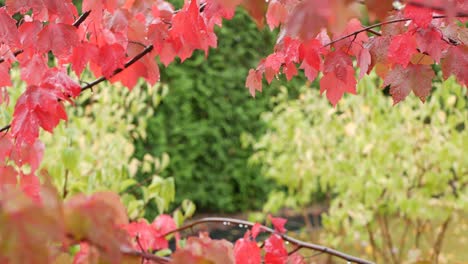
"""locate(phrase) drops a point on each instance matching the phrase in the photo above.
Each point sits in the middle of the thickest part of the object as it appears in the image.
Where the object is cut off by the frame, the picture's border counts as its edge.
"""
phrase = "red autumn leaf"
(110, 58)
(430, 41)
(59, 38)
(37, 106)
(8, 31)
(190, 28)
(5, 79)
(29, 32)
(62, 83)
(456, 63)
(338, 76)
(419, 15)
(145, 236)
(33, 69)
(254, 81)
(256, 229)
(402, 47)
(415, 77)
(364, 61)
(81, 55)
(276, 14)
(247, 251)
(272, 65)
(28, 154)
(275, 251)
(351, 45)
(310, 52)
(278, 223)
(31, 186)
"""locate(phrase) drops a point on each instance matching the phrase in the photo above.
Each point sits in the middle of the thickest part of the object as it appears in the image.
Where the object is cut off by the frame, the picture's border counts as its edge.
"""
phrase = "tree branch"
(298, 243)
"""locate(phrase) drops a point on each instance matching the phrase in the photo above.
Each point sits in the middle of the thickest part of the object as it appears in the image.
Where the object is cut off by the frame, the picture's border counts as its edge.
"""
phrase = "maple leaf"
(364, 61)
(430, 41)
(419, 15)
(254, 81)
(246, 250)
(189, 27)
(277, 13)
(338, 76)
(275, 252)
(8, 30)
(456, 63)
(28, 33)
(33, 69)
(81, 55)
(59, 38)
(256, 229)
(5, 79)
(278, 223)
(37, 106)
(256, 9)
(402, 47)
(110, 58)
(415, 77)
(145, 236)
(352, 45)
(28, 154)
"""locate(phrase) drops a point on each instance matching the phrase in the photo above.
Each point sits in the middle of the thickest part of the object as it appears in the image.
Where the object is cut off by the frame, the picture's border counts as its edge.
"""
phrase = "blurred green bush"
(393, 173)
(200, 122)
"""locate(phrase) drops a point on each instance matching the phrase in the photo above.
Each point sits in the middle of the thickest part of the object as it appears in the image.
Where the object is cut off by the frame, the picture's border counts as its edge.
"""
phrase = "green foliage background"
(200, 122)
(385, 168)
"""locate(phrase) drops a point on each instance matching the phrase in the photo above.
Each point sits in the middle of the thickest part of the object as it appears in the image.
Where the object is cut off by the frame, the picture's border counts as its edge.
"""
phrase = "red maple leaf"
(415, 77)
(430, 41)
(275, 251)
(456, 63)
(247, 251)
(402, 47)
(277, 13)
(8, 30)
(59, 38)
(37, 106)
(338, 76)
(278, 223)
(419, 15)
(254, 81)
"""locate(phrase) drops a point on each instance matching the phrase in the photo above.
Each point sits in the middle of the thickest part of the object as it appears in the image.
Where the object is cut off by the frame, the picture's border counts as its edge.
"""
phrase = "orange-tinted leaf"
(338, 76)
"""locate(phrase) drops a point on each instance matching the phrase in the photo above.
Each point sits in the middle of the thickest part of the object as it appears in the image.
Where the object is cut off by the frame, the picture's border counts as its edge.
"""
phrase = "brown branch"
(298, 243)
(369, 28)
(437, 248)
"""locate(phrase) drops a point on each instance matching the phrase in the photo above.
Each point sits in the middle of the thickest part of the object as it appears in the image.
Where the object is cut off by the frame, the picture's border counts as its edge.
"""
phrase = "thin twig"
(300, 244)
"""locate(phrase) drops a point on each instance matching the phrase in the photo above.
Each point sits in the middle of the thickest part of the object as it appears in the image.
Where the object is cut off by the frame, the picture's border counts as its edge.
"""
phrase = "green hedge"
(200, 122)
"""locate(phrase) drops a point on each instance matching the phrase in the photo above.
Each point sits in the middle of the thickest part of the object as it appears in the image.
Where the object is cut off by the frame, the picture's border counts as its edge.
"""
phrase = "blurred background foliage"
(200, 121)
(395, 178)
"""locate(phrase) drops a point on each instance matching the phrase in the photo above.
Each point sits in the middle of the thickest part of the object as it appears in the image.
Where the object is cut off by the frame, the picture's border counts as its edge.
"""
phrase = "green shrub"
(387, 169)
(200, 122)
